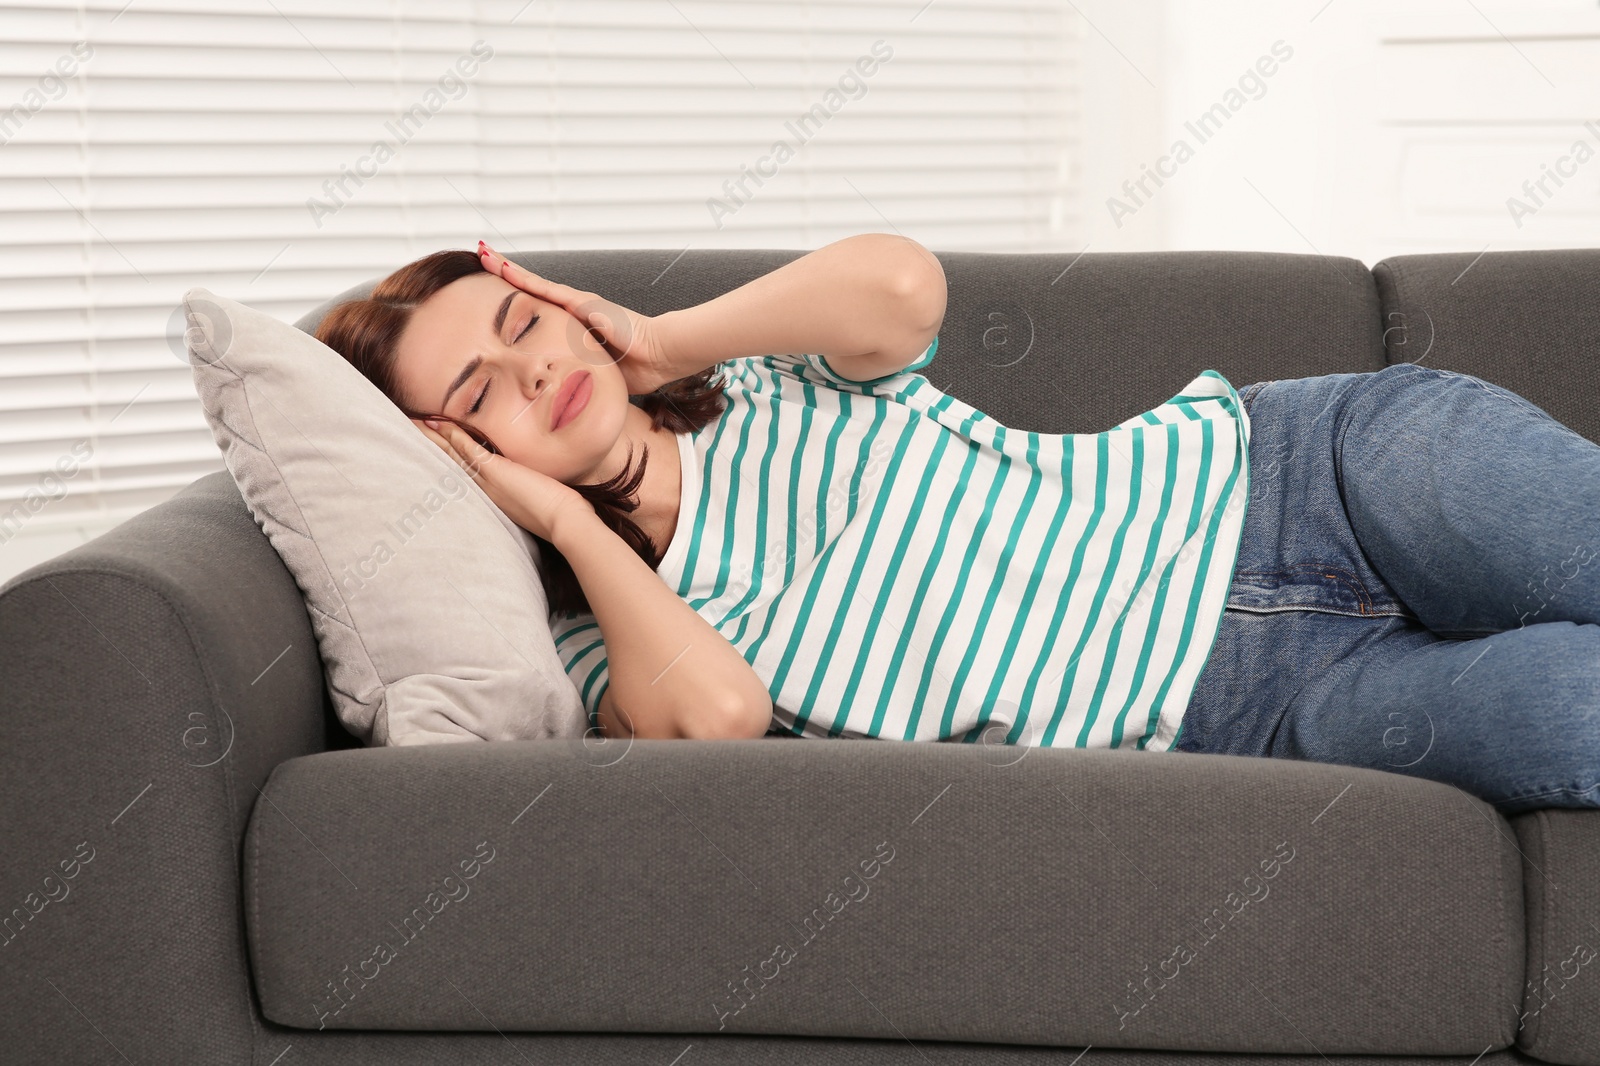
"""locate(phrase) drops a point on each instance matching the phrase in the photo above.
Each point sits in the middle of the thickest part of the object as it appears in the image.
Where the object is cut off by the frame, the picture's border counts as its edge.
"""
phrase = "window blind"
(278, 151)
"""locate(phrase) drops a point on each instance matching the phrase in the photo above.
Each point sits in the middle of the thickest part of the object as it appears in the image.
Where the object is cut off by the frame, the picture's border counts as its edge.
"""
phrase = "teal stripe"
(1002, 568)
(805, 414)
(1080, 549)
(840, 421)
(599, 669)
(903, 643)
(1092, 713)
(1192, 615)
(1109, 661)
(1192, 609)
(1158, 605)
(840, 601)
(1241, 462)
(1153, 545)
(730, 514)
(691, 559)
(1025, 614)
(948, 618)
(869, 639)
(1069, 675)
(958, 493)
(765, 518)
(824, 562)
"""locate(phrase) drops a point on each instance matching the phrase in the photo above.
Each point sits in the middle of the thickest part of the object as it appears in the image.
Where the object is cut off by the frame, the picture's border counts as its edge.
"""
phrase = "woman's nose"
(537, 376)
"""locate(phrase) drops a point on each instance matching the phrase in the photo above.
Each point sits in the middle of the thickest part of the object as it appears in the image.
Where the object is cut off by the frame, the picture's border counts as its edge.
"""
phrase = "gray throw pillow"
(425, 598)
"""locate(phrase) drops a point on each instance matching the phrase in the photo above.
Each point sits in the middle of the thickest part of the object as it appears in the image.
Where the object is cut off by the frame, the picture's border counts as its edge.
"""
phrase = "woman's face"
(482, 333)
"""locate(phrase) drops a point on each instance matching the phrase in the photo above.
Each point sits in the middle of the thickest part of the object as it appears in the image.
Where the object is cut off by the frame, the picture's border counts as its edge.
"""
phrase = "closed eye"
(522, 333)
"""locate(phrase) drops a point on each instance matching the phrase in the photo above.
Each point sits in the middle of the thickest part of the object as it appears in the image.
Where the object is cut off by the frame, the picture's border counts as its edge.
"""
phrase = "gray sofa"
(201, 866)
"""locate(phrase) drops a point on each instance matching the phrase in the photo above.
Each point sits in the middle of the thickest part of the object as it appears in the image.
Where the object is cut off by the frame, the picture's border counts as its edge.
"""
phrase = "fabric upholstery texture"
(656, 905)
(1560, 1018)
(1527, 321)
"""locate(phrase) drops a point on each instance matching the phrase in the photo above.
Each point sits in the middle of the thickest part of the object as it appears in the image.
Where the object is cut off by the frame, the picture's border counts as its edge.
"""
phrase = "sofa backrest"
(1528, 321)
(1060, 343)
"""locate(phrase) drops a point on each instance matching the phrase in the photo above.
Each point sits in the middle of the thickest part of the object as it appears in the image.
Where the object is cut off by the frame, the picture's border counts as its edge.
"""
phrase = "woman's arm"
(673, 676)
(869, 304)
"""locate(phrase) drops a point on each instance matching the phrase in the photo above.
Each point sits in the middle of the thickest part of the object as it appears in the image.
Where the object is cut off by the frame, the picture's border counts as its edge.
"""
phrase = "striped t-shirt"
(896, 564)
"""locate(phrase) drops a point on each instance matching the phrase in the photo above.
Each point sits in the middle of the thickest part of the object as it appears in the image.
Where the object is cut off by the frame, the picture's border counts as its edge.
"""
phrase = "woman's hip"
(1303, 595)
(1297, 549)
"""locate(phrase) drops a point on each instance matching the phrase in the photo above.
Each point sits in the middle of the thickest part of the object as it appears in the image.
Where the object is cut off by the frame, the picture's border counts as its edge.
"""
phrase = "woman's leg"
(1321, 657)
(1478, 508)
(1513, 717)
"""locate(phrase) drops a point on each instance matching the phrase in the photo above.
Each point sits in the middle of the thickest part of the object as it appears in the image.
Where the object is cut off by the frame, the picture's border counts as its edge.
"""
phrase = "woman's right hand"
(634, 342)
(534, 501)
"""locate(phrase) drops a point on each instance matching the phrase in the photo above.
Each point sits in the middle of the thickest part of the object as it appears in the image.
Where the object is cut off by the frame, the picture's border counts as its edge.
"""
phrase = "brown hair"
(366, 332)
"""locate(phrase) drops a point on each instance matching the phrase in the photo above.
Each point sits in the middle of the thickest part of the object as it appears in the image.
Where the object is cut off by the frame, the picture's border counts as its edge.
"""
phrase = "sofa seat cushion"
(885, 890)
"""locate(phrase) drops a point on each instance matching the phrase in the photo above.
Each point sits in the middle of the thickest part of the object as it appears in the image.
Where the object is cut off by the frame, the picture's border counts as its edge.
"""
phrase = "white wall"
(1394, 128)
(1123, 55)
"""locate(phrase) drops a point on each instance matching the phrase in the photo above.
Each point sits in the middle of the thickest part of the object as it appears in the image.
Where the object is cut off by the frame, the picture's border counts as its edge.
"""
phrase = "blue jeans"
(1417, 589)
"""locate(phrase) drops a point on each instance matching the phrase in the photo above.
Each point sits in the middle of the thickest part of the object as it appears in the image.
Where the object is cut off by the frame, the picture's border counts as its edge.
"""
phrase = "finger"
(604, 329)
(614, 329)
(528, 281)
(472, 454)
(620, 329)
(437, 437)
(431, 434)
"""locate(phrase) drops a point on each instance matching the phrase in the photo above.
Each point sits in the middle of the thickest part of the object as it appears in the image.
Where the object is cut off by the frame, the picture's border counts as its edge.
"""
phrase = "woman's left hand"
(634, 341)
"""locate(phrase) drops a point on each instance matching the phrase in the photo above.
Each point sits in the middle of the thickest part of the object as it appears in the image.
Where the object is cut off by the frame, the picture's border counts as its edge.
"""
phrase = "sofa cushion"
(1525, 320)
(896, 891)
(430, 616)
(1066, 344)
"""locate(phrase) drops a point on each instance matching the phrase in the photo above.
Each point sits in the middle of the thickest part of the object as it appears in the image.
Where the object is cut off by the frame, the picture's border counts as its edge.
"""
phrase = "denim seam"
(1248, 397)
(1549, 792)
(1322, 610)
(1345, 577)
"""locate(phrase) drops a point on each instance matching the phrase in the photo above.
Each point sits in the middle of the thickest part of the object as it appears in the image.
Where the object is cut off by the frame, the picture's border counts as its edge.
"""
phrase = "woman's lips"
(574, 395)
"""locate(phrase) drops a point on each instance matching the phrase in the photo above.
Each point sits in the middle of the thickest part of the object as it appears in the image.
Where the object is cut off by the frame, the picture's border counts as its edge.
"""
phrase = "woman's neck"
(661, 489)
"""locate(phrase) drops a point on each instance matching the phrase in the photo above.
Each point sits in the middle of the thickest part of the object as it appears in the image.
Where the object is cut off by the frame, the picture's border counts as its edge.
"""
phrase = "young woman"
(826, 544)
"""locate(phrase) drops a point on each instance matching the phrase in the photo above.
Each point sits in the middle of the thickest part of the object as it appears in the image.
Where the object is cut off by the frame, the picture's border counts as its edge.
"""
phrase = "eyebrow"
(477, 360)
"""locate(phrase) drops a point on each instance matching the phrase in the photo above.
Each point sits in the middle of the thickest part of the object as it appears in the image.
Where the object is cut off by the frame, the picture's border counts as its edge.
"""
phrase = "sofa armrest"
(155, 676)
